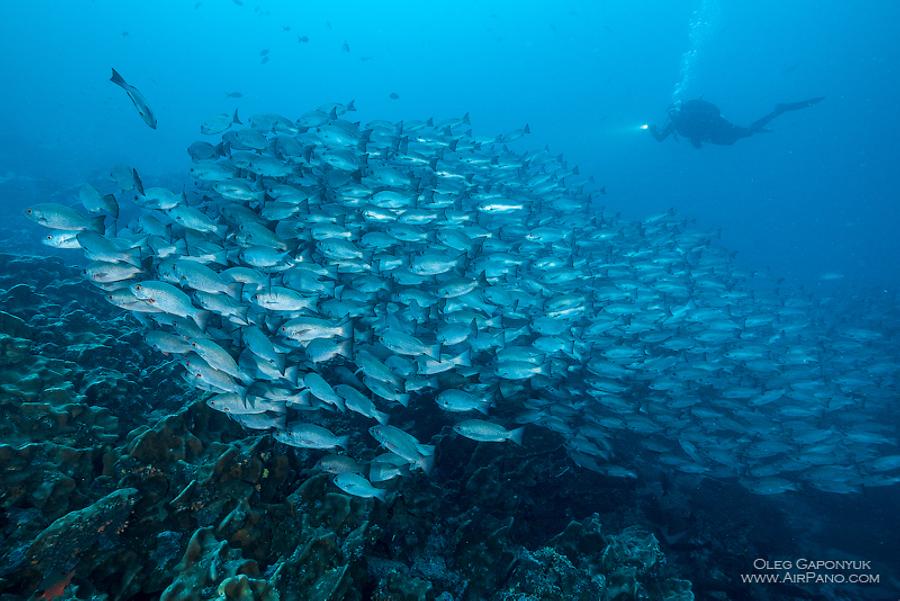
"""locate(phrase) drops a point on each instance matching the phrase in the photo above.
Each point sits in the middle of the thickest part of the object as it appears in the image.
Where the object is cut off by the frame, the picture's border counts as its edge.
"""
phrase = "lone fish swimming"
(140, 103)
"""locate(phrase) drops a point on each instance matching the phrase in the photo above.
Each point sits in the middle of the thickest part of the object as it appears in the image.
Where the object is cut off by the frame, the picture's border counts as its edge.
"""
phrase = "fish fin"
(134, 257)
(235, 290)
(111, 198)
(138, 184)
(516, 435)
(98, 224)
(292, 374)
(464, 359)
(345, 349)
(426, 463)
(346, 328)
(118, 79)
(351, 106)
(200, 318)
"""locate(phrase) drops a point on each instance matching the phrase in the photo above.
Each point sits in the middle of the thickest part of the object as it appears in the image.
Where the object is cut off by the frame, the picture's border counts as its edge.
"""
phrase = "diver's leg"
(784, 107)
(726, 136)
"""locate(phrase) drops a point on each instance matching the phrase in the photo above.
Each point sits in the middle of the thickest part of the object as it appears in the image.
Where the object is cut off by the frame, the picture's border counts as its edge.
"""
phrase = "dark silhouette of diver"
(700, 121)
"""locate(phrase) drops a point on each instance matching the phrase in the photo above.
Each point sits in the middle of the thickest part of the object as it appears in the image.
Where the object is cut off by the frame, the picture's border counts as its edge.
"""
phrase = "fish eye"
(28, 211)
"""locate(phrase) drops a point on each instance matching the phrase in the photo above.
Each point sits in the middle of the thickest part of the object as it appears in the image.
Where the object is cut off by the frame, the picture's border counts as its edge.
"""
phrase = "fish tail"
(117, 79)
(426, 462)
(236, 118)
(516, 435)
(346, 329)
(292, 374)
(345, 349)
(98, 224)
(235, 290)
(134, 256)
(138, 184)
(111, 200)
(200, 318)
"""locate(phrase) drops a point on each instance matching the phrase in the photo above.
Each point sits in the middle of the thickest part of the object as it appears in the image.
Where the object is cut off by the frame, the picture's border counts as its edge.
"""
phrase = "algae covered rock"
(14, 326)
(210, 569)
(80, 540)
(547, 575)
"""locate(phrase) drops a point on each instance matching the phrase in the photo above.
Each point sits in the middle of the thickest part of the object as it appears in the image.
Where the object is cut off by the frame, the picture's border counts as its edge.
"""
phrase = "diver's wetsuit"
(700, 121)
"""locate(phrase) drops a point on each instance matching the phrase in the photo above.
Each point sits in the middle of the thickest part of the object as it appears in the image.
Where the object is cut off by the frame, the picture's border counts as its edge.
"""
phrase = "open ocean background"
(814, 202)
(816, 196)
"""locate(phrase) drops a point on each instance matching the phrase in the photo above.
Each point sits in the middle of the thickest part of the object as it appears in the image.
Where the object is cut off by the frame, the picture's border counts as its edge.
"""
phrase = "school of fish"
(323, 269)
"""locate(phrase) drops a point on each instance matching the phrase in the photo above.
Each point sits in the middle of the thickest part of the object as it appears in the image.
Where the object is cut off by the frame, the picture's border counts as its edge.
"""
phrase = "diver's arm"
(662, 135)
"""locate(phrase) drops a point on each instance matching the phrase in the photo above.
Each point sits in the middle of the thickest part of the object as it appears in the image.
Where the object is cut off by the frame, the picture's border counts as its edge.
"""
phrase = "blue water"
(815, 196)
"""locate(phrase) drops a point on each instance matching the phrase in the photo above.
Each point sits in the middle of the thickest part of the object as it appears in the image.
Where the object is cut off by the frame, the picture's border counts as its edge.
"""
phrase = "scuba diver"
(700, 121)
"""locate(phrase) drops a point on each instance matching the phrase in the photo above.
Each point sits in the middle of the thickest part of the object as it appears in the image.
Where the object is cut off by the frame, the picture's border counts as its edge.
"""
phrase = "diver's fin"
(794, 106)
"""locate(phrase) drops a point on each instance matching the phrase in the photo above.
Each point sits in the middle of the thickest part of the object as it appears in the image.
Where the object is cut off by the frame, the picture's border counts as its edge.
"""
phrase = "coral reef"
(119, 483)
